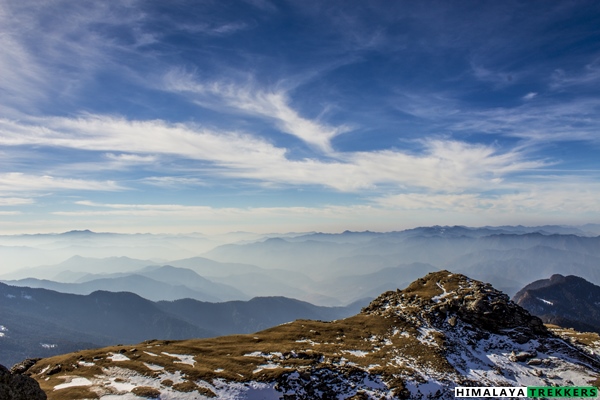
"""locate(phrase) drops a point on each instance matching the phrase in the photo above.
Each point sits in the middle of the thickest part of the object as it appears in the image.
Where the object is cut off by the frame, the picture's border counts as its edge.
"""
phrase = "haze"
(325, 269)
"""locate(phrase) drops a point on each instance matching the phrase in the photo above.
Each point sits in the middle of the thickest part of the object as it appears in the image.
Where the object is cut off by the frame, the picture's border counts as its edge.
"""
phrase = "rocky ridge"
(442, 331)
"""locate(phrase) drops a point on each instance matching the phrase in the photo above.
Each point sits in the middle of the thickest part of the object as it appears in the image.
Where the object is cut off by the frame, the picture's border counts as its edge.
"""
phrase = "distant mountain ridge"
(41, 322)
(566, 301)
(153, 283)
(312, 266)
(462, 249)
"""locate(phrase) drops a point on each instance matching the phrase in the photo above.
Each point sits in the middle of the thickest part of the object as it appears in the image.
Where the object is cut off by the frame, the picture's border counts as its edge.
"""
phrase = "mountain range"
(40, 322)
(321, 268)
(508, 258)
(152, 282)
(444, 330)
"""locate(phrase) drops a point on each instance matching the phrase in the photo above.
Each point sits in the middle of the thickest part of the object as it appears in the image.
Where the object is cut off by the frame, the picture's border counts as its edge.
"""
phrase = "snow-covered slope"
(444, 330)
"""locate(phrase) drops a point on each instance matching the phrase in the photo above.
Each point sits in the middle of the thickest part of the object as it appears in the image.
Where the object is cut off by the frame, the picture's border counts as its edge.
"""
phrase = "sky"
(282, 116)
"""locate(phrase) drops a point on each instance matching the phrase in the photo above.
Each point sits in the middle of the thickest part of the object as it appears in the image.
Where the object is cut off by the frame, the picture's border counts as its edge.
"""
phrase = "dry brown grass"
(363, 342)
(147, 392)
(294, 346)
(78, 392)
(298, 345)
(186, 386)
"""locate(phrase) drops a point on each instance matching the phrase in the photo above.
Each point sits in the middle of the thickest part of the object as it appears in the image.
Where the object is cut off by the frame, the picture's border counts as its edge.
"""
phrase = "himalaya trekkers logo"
(554, 392)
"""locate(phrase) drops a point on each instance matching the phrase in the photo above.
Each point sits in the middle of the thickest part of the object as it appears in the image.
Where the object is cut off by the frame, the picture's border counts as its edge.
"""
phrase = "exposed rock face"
(23, 366)
(567, 301)
(14, 386)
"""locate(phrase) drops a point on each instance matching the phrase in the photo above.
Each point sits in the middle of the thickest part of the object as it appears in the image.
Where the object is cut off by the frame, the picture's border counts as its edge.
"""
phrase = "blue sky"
(258, 115)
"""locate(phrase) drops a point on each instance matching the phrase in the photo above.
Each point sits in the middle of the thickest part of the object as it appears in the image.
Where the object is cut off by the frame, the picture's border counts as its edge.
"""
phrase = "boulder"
(24, 366)
(15, 386)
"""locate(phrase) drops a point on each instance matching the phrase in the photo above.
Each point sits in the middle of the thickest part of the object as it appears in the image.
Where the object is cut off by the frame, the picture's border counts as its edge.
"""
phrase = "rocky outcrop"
(443, 298)
(15, 386)
(23, 366)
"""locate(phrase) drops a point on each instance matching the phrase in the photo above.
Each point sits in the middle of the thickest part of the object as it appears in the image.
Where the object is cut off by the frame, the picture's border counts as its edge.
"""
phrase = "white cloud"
(205, 212)
(529, 96)
(10, 213)
(441, 165)
(172, 181)
(569, 196)
(14, 182)
(15, 201)
(546, 200)
(131, 158)
(268, 104)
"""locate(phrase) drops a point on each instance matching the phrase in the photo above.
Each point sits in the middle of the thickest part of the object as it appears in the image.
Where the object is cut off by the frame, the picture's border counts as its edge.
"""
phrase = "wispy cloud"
(131, 158)
(45, 60)
(272, 105)
(589, 75)
(526, 203)
(201, 212)
(440, 165)
(543, 121)
(10, 213)
(172, 181)
(16, 182)
(545, 195)
(15, 201)
(499, 79)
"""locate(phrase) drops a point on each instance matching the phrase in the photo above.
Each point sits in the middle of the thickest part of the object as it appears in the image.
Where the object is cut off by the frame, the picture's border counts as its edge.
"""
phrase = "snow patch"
(426, 336)
(425, 390)
(311, 342)
(247, 390)
(488, 361)
(120, 381)
(265, 366)
(117, 357)
(254, 354)
(436, 299)
(545, 301)
(154, 367)
(73, 382)
(183, 358)
(86, 364)
(357, 353)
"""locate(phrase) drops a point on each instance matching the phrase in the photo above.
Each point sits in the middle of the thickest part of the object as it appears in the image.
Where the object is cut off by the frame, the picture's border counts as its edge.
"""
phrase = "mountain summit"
(568, 301)
(449, 302)
(444, 330)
